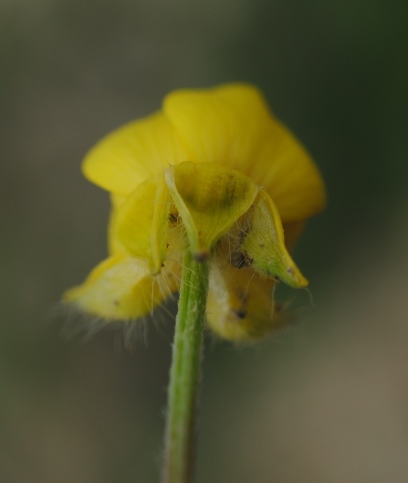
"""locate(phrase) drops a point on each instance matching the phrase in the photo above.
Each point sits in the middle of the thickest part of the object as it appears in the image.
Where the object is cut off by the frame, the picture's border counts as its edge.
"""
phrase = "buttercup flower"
(213, 172)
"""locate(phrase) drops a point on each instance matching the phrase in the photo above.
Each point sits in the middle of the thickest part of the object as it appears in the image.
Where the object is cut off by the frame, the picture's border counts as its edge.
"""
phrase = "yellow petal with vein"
(224, 125)
(209, 198)
(261, 244)
(131, 154)
(141, 223)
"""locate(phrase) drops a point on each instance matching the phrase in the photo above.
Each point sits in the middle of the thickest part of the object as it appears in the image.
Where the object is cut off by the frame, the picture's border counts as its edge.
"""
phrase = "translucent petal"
(123, 288)
(285, 169)
(131, 154)
(141, 223)
(260, 243)
(240, 304)
(209, 199)
(225, 125)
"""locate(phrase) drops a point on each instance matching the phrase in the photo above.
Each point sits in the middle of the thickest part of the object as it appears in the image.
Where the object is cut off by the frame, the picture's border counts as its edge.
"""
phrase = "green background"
(323, 401)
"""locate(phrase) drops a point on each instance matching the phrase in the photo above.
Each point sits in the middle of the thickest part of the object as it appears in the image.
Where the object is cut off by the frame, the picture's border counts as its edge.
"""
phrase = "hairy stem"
(185, 374)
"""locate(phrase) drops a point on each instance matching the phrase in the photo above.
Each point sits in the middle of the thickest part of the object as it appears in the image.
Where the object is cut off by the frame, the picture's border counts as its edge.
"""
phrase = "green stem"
(185, 374)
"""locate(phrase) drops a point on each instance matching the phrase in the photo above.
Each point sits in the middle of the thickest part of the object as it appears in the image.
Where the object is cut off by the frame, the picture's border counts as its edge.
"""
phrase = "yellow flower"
(213, 172)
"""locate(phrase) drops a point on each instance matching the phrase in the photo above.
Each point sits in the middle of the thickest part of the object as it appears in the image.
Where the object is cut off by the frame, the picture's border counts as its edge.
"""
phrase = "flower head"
(212, 172)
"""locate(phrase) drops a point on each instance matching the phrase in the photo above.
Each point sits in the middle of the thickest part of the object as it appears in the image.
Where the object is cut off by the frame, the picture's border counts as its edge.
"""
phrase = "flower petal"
(209, 199)
(225, 125)
(240, 304)
(133, 153)
(232, 125)
(261, 244)
(285, 169)
(118, 288)
(141, 223)
(123, 288)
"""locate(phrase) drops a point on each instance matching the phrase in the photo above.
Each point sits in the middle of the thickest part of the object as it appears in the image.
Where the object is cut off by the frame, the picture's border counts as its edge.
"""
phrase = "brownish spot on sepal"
(241, 259)
(173, 218)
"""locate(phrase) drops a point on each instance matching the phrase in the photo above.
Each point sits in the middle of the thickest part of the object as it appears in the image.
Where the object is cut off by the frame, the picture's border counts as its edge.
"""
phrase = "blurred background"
(324, 401)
